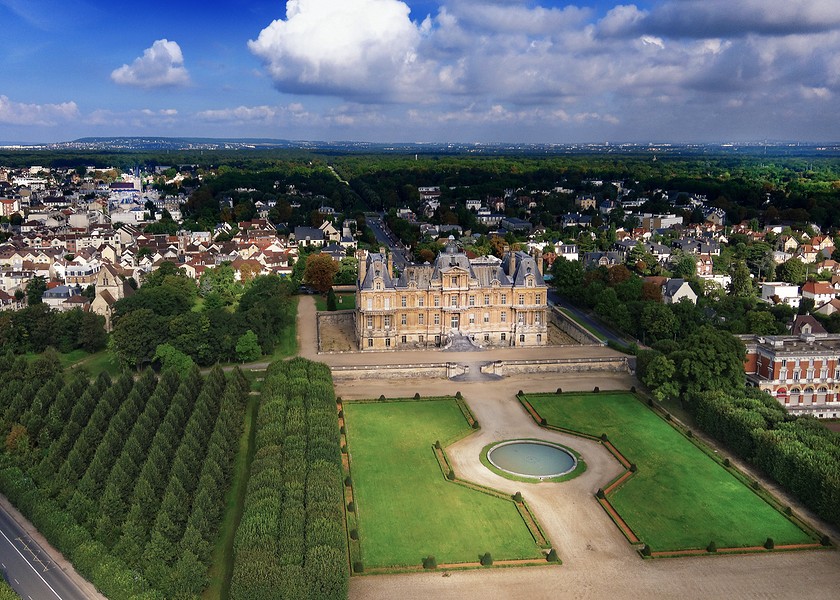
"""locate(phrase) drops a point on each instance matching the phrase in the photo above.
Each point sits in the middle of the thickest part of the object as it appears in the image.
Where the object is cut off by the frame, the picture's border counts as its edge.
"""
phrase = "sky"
(528, 71)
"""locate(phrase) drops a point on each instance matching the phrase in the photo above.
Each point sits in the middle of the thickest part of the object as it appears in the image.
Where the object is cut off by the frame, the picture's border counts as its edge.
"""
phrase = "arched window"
(822, 392)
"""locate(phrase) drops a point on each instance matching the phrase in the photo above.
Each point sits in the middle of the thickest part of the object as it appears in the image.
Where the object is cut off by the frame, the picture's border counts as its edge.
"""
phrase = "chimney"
(511, 262)
(539, 261)
(360, 256)
(391, 264)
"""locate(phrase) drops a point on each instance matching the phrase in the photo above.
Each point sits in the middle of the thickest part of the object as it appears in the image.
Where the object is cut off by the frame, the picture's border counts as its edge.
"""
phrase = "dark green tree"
(35, 290)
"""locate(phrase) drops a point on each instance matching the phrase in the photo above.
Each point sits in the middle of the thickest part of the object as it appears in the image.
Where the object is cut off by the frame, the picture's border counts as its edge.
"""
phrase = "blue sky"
(400, 70)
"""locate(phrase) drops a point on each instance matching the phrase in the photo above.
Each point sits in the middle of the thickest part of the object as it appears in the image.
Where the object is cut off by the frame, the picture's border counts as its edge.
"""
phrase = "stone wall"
(572, 329)
(560, 365)
(408, 371)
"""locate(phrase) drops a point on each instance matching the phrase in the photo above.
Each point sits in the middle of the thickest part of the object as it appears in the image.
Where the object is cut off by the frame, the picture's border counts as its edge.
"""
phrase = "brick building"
(801, 371)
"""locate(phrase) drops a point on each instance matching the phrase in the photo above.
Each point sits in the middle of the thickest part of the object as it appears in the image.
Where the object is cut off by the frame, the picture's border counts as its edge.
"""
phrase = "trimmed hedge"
(291, 541)
(797, 452)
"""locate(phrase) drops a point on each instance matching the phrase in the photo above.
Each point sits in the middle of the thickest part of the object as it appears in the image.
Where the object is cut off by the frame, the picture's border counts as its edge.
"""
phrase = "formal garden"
(677, 494)
(407, 508)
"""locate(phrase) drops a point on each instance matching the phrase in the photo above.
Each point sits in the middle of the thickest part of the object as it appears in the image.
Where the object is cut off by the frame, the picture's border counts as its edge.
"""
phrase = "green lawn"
(221, 567)
(679, 498)
(406, 508)
(342, 302)
(94, 363)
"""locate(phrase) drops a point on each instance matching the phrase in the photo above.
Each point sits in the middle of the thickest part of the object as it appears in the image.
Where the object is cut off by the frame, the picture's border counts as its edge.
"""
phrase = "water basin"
(532, 458)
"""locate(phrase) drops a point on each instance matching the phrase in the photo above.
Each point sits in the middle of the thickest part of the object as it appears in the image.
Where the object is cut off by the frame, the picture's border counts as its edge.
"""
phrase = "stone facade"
(802, 372)
(493, 302)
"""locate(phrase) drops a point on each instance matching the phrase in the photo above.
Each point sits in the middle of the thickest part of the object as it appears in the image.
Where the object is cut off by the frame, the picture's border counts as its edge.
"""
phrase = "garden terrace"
(679, 497)
(407, 508)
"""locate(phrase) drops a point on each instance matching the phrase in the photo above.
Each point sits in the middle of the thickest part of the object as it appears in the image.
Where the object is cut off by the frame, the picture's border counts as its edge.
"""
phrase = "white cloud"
(19, 113)
(255, 114)
(492, 63)
(161, 65)
(354, 48)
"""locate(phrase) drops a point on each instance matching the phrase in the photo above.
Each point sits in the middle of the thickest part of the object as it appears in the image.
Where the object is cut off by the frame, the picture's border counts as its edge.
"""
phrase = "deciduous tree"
(319, 272)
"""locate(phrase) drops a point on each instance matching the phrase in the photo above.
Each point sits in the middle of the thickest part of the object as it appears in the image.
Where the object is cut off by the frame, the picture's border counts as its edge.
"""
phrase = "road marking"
(34, 554)
(30, 566)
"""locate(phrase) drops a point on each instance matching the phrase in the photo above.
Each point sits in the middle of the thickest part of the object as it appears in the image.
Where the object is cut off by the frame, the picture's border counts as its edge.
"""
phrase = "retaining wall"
(559, 365)
(572, 329)
(408, 371)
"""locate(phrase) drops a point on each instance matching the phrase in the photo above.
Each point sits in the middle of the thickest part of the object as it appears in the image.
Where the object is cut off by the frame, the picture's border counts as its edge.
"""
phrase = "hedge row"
(798, 452)
(290, 542)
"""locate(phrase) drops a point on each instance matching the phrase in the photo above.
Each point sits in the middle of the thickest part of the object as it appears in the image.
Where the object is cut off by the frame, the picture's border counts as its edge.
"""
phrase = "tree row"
(291, 541)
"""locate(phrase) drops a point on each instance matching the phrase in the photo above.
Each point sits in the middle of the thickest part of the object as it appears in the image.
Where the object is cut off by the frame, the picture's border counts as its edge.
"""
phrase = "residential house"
(309, 236)
(585, 202)
(829, 308)
(567, 251)
(601, 259)
(806, 324)
(677, 289)
(776, 292)
(705, 265)
(331, 234)
(818, 291)
(787, 243)
(515, 224)
(55, 297)
(695, 246)
(807, 254)
(651, 221)
(9, 302)
(832, 266)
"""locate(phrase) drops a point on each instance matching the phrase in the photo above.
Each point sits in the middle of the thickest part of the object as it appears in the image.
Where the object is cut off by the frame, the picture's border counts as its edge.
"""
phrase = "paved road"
(384, 236)
(29, 569)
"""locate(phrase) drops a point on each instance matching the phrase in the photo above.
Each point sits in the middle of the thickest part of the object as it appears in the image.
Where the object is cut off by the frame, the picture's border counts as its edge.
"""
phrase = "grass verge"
(221, 567)
(588, 328)
(342, 302)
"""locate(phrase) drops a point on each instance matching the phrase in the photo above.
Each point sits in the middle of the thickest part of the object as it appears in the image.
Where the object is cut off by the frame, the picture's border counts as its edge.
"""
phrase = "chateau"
(493, 302)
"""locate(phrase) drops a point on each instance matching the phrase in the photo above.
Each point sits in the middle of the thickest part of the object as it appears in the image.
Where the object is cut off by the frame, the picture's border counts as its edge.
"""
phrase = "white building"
(778, 291)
